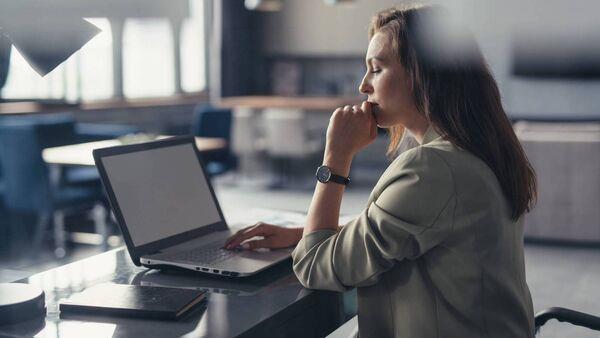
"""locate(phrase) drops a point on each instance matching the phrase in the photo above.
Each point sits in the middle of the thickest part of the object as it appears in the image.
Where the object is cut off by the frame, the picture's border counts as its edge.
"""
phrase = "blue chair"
(28, 187)
(209, 121)
(63, 133)
(2, 185)
(68, 131)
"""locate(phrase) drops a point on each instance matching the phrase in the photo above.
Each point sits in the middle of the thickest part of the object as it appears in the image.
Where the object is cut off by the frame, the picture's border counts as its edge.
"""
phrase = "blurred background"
(257, 81)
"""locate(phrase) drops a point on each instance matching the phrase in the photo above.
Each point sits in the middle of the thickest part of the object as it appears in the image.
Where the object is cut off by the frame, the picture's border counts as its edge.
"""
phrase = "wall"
(312, 29)
(309, 27)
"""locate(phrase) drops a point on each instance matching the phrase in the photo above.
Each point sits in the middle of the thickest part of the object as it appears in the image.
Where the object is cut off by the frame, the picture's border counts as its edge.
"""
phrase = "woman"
(438, 252)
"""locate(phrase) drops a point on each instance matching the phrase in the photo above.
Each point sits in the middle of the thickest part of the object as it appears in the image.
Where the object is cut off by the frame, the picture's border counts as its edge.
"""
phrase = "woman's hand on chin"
(351, 128)
(273, 237)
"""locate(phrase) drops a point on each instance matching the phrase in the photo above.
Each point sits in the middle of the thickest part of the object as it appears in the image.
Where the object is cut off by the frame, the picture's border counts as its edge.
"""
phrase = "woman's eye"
(375, 71)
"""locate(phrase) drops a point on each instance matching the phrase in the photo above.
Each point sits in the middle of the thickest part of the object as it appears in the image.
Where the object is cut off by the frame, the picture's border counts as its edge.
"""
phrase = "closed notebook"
(133, 301)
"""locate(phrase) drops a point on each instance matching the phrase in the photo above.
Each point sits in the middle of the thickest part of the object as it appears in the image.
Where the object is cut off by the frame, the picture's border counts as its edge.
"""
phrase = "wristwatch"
(324, 175)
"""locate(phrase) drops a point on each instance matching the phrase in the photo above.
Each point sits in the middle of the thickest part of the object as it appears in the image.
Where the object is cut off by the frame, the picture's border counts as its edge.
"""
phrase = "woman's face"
(387, 85)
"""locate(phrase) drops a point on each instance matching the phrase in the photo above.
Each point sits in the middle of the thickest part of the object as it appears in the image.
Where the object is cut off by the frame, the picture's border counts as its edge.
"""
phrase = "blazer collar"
(430, 135)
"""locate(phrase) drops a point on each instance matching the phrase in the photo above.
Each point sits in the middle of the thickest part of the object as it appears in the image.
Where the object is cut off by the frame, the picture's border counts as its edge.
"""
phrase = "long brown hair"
(454, 88)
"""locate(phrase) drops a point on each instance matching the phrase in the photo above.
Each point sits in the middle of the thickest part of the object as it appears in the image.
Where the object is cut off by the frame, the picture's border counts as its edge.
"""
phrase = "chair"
(28, 186)
(68, 131)
(567, 315)
(60, 130)
(213, 122)
(350, 328)
(287, 140)
(63, 133)
(2, 185)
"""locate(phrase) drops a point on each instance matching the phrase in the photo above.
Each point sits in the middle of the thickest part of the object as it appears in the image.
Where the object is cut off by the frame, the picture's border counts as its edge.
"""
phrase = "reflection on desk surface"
(276, 277)
(234, 306)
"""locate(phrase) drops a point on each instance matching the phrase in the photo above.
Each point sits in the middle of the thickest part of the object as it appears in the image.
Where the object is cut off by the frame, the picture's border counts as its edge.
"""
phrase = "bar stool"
(246, 143)
(287, 141)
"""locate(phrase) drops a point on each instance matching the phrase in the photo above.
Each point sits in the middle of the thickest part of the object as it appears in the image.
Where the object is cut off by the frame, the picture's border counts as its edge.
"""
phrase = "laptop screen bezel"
(148, 248)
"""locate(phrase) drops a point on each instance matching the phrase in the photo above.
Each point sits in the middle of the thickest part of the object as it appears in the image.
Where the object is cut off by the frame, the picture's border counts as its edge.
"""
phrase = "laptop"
(167, 211)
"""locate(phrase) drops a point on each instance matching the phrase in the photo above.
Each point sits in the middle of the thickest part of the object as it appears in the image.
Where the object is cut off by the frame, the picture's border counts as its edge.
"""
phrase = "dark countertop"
(272, 302)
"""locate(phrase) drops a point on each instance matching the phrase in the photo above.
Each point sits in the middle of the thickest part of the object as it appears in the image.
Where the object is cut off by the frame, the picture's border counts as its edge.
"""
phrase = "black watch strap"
(324, 175)
(339, 179)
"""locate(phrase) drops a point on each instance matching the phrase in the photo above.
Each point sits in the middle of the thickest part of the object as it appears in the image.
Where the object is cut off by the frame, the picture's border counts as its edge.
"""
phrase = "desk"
(81, 154)
(270, 304)
(317, 103)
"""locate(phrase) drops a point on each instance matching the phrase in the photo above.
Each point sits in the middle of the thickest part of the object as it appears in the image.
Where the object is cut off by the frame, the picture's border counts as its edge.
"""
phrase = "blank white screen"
(161, 192)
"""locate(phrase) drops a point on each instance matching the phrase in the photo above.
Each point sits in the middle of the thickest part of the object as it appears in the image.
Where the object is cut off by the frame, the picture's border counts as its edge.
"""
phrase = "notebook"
(133, 301)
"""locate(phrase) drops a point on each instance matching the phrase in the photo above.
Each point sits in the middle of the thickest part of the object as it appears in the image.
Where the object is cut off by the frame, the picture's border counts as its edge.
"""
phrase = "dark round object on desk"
(20, 302)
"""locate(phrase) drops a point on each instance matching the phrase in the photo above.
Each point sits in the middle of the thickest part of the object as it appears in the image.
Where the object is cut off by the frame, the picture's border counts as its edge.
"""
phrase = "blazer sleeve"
(413, 213)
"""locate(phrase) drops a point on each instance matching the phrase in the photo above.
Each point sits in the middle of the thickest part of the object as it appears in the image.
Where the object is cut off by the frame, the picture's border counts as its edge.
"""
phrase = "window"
(148, 67)
(147, 58)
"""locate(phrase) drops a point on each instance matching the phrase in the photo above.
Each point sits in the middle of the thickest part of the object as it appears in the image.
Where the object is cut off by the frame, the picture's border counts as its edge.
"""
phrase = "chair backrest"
(2, 182)
(60, 131)
(285, 133)
(211, 122)
(26, 178)
(25, 175)
(214, 122)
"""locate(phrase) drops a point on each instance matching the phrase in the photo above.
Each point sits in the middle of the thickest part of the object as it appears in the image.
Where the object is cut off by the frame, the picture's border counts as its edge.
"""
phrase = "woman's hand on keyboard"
(273, 237)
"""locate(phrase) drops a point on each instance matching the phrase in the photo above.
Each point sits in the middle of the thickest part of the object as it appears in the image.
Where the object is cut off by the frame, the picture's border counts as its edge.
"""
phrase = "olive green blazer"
(434, 254)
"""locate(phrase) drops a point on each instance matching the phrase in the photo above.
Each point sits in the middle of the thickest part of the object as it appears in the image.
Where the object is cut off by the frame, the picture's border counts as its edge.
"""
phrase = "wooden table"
(81, 154)
(316, 103)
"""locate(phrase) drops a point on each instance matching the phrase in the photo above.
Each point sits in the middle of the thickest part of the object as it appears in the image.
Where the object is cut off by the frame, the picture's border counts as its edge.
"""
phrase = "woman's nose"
(365, 87)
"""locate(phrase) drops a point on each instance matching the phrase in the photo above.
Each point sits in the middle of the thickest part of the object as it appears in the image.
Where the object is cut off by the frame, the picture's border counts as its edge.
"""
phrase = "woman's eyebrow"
(374, 58)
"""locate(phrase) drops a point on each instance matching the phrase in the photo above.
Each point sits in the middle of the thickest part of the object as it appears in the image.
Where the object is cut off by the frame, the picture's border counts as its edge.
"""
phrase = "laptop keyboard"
(208, 254)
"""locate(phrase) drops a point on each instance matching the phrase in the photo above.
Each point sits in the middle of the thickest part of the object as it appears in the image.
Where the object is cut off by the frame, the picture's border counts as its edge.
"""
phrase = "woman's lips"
(373, 104)
(374, 107)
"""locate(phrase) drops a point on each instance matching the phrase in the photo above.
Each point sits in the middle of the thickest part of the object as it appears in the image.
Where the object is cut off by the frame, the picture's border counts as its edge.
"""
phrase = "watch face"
(323, 174)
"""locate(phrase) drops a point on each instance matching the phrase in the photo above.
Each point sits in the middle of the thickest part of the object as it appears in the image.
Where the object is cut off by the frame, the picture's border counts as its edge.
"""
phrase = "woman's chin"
(385, 123)
(380, 118)
(381, 122)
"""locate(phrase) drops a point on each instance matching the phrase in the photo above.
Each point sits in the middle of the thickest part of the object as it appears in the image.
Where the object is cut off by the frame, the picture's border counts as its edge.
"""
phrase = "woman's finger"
(237, 233)
(235, 240)
(366, 107)
(240, 232)
(259, 230)
(266, 242)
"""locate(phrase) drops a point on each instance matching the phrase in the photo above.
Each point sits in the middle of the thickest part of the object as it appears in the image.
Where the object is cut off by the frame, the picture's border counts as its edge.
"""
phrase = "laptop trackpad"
(253, 261)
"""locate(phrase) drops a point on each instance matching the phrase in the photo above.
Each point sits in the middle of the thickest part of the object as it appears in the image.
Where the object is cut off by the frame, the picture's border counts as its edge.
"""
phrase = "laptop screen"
(161, 192)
